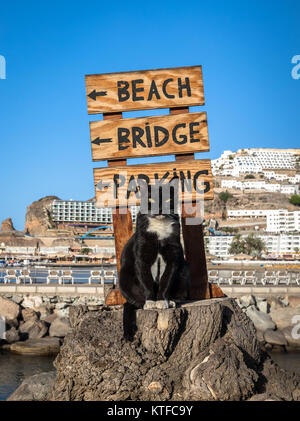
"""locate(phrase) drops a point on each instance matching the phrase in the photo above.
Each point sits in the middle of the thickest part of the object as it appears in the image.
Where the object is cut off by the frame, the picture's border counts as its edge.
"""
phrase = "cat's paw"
(162, 304)
(172, 304)
(149, 305)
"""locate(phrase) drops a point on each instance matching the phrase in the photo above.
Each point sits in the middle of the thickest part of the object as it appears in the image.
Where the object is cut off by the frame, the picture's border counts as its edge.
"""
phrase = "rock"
(262, 321)
(28, 314)
(285, 302)
(246, 301)
(283, 316)
(64, 313)
(33, 302)
(38, 216)
(260, 336)
(292, 339)
(17, 299)
(43, 346)
(60, 327)
(7, 225)
(34, 388)
(33, 329)
(263, 306)
(9, 309)
(60, 306)
(12, 335)
(50, 318)
(294, 301)
(275, 337)
(44, 311)
(204, 350)
(12, 323)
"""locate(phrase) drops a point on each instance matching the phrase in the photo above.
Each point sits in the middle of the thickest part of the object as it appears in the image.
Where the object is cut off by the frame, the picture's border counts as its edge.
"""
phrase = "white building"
(260, 185)
(254, 161)
(247, 213)
(283, 221)
(83, 212)
(278, 220)
(276, 245)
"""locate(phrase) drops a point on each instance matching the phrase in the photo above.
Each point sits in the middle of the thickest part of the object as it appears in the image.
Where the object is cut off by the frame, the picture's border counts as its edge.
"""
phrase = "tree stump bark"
(204, 350)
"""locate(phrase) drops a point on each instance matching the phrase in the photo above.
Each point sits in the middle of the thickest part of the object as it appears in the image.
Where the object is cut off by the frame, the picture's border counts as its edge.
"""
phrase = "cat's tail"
(129, 321)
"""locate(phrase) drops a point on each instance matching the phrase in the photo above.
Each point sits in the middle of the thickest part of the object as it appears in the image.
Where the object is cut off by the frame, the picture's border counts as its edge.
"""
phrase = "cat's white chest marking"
(158, 268)
(163, 228)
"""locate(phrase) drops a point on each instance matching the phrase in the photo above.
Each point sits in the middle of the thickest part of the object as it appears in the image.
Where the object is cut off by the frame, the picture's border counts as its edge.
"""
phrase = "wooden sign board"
(149, 136)
(194, 177)
(144, 90)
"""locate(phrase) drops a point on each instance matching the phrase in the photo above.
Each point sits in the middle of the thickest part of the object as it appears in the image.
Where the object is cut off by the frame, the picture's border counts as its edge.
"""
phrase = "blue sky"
(245, 48)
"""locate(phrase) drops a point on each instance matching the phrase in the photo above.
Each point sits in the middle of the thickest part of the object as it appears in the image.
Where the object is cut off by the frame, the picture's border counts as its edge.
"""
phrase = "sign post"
(181, 133)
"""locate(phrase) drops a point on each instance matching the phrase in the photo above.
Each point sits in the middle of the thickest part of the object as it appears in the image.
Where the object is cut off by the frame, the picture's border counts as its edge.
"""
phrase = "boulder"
(246, 301)
(17, 299)
(50, 318)
(12, 323)
(12, 335)
(292, 339)
(33, 329)
(64, 313)
(9, 309)
(275, 337)
(294, 301)
(263, 306)
(28, 314)
(44, 311)
(43, 346)
(201, 350)
(33, 302)
(60, 327)
(34, 388)
(262, 321)
(283, 316)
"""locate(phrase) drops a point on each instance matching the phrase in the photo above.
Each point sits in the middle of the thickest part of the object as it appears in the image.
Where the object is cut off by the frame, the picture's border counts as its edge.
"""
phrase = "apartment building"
(83, 212)
(275, 245)
(283, 221)
(260, 185)
(254, 161)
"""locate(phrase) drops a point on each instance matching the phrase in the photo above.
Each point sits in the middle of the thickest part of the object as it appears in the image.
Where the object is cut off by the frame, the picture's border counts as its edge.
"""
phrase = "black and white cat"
(153, 268)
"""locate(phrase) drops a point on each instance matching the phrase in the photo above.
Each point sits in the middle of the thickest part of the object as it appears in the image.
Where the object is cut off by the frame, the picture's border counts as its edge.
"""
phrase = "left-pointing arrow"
(101, 185)
(98, 141)
(94, 94)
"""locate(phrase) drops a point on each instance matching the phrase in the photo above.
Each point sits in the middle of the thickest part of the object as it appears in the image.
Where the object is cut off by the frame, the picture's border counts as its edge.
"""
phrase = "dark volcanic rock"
(206, 350)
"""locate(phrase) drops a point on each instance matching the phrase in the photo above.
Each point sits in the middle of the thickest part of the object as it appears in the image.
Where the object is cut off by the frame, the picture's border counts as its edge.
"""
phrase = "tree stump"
(203, 350)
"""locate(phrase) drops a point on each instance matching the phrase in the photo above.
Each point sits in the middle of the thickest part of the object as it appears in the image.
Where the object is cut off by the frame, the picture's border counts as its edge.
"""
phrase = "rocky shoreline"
(41, 322)
(37, 325)
(275, 320)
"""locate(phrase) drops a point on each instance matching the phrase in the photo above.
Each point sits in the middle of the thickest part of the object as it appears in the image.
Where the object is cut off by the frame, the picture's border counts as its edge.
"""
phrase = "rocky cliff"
(7, 225)
(38, 217)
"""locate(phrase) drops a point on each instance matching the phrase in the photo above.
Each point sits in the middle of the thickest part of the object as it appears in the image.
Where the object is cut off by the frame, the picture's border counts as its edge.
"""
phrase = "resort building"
(260, 185)
(275, 245)
(255, 161)
(83, 212)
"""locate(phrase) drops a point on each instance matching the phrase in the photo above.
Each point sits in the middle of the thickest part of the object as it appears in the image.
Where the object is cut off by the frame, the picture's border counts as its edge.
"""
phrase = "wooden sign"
(121, 184)
(142, 90)
(149, 136)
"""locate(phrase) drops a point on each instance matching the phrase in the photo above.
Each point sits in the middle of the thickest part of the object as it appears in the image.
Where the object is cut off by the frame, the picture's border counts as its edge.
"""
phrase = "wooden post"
(193, 242)
(122, 222)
